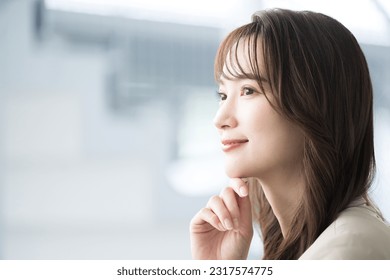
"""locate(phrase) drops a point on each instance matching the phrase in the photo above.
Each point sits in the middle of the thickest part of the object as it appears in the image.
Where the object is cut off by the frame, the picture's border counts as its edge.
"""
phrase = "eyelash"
(251, 90)
(223, 96)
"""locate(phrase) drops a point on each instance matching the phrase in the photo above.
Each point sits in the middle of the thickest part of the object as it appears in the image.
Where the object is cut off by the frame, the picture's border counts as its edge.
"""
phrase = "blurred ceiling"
(369, 20)
(214, 13)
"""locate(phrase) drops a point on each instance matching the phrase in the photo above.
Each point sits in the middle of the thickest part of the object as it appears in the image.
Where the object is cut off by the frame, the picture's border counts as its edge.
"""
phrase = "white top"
(357, 234)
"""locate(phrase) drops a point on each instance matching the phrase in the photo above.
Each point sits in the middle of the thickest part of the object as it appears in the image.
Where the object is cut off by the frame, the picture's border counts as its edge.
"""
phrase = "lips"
(230, 144)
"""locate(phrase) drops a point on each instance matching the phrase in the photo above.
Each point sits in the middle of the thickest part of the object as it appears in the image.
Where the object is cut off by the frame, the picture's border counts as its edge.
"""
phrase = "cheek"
(278, 143)
(263, 126)
(275, 142)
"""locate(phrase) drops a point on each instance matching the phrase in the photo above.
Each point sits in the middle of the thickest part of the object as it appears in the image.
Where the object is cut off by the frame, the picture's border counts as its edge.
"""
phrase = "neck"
(283, 192)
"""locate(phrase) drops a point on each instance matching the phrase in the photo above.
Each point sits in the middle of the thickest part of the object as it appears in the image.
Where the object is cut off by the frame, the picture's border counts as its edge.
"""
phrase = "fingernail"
(221, 227)
(243, 191)
(228, 224)
(236, 223)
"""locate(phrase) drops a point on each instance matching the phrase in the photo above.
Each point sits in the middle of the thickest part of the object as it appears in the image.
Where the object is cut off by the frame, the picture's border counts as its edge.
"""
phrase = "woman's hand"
(223, 229)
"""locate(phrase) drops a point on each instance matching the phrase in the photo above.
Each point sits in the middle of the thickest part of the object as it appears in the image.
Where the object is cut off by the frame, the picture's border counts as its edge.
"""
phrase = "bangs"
(229, 65)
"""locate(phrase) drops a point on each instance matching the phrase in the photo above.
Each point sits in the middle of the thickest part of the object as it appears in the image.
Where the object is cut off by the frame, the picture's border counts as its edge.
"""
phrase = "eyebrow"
(239, 77)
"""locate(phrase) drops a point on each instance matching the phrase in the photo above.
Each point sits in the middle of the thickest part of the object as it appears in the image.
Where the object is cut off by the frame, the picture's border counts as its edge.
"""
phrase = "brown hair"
(320, 80)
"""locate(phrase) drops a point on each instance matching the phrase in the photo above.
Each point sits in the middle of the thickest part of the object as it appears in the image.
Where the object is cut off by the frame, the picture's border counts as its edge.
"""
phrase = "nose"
(225, 117)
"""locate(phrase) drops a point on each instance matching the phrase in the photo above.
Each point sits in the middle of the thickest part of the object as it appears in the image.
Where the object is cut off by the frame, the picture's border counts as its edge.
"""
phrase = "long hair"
(320, 80)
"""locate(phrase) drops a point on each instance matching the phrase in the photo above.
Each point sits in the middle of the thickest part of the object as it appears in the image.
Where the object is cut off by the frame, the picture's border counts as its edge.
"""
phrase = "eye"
(247, 91)
(222, 96)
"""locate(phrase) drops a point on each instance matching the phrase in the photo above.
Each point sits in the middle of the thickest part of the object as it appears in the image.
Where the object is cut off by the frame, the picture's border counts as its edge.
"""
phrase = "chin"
(234, 172)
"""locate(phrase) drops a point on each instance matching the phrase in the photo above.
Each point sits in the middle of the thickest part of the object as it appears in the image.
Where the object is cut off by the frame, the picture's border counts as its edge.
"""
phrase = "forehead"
(244, 59)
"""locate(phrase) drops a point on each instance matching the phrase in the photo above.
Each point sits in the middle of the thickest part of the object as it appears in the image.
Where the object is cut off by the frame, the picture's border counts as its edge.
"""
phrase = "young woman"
(296, 126)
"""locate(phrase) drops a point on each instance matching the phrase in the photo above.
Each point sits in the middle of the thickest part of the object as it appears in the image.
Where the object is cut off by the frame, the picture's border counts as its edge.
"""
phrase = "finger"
(229, 198)
(240, 186)
(206, 215)
(219, 208)
(245, 207)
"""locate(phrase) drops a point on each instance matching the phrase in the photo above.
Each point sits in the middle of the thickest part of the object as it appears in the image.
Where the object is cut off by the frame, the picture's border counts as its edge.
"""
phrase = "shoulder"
(358, 233)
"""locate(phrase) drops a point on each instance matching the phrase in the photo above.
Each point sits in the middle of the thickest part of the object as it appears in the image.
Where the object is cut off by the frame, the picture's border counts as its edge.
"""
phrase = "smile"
(230, 144)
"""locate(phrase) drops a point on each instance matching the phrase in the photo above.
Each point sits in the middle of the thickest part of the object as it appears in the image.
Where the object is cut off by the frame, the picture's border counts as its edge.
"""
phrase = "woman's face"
(256, 140)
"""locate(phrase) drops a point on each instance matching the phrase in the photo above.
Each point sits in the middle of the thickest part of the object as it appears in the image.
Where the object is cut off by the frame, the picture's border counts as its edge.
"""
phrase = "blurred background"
(107, 147)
